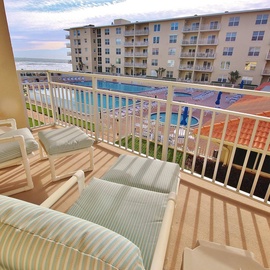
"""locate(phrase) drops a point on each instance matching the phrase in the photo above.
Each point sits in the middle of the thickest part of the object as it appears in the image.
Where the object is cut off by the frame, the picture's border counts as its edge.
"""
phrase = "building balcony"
(137, 33)
(136, 54)
(68, 45)
(136, 44)
(202, 28)
(206, 41)
(201, 55)
(266, 72)
(137, 65)
(268, 56)
(214, 203)
(203, 68)
(67, 36)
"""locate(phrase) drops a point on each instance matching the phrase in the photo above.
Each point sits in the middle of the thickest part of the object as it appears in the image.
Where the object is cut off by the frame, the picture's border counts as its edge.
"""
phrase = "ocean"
(42, 64)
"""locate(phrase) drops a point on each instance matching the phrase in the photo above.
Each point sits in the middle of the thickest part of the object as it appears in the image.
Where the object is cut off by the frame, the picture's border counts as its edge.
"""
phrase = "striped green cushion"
(135, 213)
(33, 237)
(9, 151)
(146, 173)
(64, 140)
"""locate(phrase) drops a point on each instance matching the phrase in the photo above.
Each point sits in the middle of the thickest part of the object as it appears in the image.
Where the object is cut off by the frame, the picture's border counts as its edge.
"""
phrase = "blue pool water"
(181, 94)
(104, 101)
(116, 86)
(174, 116)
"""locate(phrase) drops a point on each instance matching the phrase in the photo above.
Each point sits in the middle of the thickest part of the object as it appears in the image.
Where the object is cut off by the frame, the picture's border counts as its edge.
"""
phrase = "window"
(107, 41)
(118, 41)
(174, 26)
(86, 58)
(86, 49)
(107, 69)
(211, 39)
(107, 60)
(118, 50)
(231, 36)
(155, 51)
(214, 25)
(78, 33)
(156, 27)
(154, 62)
(193, 40)
(250, 65)
(85, 40)
(118, 30)
(118, 61)
(170, 63)
(262, 19)
(225, 65)
(107, 51)
(257, 35)
(99, 51)
(107, 31)
(228, 51)
(118, 70)
(156, 40)
(234, 21)
(195, 26)
(79, 50)
(247, 80)
(74, 33)
(172, 51)
(254, 51)
(173, 39)
(169, 74)
(222, 79)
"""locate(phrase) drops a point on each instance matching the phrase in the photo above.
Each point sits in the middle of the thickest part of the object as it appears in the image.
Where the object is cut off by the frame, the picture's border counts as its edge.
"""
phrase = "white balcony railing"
(143, 124)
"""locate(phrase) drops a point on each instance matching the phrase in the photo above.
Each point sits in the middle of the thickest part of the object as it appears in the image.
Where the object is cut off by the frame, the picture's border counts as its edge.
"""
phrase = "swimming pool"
(181, 94)
(104, 101)
(117, 86)
(174, 116)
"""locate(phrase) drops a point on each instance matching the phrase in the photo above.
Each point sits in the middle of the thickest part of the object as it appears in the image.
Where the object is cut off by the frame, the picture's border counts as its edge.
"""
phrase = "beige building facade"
(203, 49)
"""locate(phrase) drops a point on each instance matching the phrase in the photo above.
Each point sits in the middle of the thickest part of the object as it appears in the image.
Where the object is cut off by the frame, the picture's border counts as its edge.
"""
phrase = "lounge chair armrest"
(9, 122)
(78, 177)
(164, 234)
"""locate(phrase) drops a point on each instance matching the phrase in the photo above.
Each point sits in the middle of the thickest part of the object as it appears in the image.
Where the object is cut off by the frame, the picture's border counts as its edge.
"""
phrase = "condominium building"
(199, 48)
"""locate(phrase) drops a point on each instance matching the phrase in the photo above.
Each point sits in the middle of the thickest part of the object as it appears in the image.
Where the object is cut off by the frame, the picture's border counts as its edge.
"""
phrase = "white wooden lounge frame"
(164, 234)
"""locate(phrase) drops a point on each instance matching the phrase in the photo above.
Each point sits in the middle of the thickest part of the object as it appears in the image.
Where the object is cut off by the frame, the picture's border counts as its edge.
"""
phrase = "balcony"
(266, 72)
(136, 54)
(136, 44)
(207, 208)
(137, 33)
(138, 65)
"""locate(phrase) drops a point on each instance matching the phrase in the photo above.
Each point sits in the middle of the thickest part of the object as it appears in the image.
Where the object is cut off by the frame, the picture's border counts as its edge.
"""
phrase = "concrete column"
(11, 97)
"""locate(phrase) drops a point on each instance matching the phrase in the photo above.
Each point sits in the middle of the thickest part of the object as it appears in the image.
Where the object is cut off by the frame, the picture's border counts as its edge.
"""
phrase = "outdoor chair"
(15, 147)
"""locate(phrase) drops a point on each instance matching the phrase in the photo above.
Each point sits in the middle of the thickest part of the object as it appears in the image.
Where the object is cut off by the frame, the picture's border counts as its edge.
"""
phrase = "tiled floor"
(204, 210)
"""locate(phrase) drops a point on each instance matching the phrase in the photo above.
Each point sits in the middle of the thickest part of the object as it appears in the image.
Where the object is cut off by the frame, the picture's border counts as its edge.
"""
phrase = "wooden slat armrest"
(78, 177)
(9, 122)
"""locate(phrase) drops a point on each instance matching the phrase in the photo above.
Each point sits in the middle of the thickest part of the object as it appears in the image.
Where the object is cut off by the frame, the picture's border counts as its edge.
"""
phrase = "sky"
(37, 26)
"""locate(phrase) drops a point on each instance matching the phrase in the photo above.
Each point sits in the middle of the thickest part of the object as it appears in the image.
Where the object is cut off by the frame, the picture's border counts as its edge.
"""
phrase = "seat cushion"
(146, 173)
(34, 237)
(63, 140)
(11, 150)
(134, 213)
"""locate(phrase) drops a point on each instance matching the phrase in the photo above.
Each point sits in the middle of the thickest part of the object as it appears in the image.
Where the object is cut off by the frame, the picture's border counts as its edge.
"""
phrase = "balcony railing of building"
(203, 68)
(137, 32)
(68, 45)
(203, 27)
(203, 41)
(137, 43)
(136, 54)
(198, 55)
(266, 72)
(130, 64)
(268, 56)
(195, 136)
(67, 36)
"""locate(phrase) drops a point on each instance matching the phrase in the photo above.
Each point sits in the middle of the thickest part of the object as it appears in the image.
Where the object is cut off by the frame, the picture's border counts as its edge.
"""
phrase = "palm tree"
(234, 76)
(160, 71)
(112, 68)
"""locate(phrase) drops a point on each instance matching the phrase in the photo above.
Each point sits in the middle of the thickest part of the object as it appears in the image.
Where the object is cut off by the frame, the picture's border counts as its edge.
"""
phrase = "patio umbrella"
(242, 84)
(184, 117)
(218, 98)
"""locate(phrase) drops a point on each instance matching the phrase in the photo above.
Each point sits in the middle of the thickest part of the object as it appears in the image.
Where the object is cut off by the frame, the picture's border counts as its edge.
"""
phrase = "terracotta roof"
(246, 131)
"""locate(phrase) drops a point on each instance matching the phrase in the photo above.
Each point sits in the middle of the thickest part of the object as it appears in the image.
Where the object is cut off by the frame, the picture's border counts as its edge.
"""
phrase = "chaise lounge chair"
(15, 147)
(121, 221)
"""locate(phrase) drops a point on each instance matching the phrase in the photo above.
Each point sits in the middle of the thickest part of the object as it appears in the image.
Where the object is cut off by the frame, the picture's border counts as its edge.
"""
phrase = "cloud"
(42, 45)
